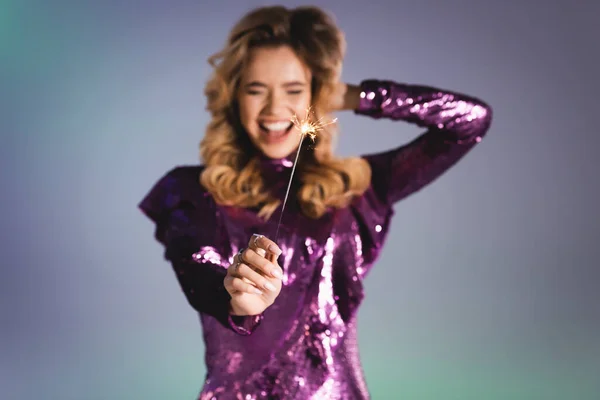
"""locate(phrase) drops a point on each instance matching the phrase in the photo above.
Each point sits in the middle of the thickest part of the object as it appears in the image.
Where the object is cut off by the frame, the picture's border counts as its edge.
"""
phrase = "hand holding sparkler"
(254, 278)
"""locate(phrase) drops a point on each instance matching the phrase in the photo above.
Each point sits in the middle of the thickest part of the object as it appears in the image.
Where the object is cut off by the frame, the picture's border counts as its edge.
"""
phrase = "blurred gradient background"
(489, 287)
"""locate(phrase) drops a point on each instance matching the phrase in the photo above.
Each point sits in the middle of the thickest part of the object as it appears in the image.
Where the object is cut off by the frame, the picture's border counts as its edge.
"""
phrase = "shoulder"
(180, 180)
(179, 184)
(181, 175)
(370, 202)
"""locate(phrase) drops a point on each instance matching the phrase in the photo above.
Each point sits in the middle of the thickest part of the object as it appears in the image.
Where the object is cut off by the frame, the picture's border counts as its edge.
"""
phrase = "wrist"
(234, 310)
(352, 97)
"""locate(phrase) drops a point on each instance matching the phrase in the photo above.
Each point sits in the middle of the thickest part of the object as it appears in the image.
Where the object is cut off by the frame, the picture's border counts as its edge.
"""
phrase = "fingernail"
(258, 291)
(275, 250)
(277, 273)
(270, 287)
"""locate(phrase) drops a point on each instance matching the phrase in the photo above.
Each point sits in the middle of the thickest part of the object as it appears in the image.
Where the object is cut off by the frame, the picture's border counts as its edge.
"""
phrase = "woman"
(279, 318)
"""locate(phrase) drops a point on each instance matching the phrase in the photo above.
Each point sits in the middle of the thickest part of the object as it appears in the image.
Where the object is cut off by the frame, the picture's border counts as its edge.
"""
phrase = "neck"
(276, 172)
(285, 162)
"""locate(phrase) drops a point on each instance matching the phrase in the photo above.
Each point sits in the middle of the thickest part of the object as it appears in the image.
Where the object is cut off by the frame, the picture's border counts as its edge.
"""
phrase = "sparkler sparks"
(307, 127)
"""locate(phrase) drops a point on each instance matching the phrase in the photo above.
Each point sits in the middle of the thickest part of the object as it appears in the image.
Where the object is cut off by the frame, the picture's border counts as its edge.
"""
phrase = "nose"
(275, 102)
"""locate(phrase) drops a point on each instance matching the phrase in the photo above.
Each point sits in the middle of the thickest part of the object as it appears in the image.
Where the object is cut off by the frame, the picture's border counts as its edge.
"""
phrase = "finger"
(253, 259)
(254, 278)
(235, 284)
(262, 242)
(273, 258)
(233, 269)
(227, 283)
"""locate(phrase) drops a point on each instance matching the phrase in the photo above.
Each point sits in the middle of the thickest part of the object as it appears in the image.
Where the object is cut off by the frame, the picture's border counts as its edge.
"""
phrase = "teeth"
(277, 126)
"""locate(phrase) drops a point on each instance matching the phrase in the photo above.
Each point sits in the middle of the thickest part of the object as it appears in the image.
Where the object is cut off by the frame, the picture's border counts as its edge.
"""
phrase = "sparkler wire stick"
(287, 192)
(306, 127)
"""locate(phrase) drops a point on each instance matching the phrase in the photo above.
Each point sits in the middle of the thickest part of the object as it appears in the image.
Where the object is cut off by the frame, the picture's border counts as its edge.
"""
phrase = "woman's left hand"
(345, 97)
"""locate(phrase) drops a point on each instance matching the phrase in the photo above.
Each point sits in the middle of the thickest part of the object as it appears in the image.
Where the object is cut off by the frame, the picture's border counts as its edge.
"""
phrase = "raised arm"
(454, 122)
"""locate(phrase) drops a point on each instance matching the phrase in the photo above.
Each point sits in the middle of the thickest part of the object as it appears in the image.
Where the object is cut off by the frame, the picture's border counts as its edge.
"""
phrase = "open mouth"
(275, 131)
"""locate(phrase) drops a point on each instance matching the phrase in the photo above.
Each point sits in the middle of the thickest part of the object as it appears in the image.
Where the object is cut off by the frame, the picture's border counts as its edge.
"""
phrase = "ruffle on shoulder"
(185, 215)
(179, 185)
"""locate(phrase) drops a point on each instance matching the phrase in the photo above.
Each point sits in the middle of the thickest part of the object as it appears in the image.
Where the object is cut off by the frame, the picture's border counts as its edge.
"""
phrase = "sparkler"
(309, 128)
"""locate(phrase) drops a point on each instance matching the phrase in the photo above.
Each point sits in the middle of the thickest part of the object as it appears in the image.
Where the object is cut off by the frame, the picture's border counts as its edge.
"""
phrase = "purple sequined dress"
(304, 346)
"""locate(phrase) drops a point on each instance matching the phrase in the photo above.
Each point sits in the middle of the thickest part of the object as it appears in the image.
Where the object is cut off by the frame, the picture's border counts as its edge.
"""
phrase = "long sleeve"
(454, 122)
(195, 243)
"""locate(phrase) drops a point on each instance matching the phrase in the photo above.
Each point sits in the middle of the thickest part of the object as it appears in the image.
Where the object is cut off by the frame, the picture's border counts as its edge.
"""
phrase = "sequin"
(304, 346)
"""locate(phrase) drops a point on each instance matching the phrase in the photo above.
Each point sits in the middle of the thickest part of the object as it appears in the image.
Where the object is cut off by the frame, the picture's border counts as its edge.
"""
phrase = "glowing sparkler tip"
(308, 126)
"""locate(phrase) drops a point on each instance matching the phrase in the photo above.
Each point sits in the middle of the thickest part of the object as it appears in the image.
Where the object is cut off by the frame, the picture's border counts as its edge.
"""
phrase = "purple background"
(488, 289)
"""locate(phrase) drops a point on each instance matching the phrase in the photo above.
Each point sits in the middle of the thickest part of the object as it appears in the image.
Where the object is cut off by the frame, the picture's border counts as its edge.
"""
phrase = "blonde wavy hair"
(232, 164)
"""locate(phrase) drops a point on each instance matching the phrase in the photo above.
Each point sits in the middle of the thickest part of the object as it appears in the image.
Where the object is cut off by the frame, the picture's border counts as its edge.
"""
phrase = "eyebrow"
(257, 84)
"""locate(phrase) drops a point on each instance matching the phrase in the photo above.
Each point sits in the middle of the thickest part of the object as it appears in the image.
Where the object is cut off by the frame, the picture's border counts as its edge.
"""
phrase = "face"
(274, 87)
